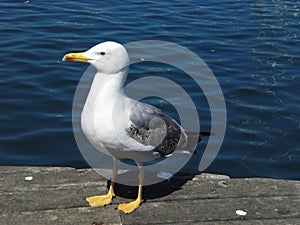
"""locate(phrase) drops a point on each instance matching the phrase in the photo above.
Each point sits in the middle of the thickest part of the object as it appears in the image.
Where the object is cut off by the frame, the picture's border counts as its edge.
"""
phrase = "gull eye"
(102, 53)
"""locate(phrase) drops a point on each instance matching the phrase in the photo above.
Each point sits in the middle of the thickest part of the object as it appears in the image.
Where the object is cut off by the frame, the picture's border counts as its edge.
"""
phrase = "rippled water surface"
(252, 47)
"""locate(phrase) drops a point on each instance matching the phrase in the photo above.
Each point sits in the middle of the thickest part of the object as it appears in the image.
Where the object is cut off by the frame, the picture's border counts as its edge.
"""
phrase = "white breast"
(104, 122)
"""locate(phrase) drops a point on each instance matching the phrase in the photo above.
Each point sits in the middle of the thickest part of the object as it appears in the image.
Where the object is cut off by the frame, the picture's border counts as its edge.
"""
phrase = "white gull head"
(107, 57)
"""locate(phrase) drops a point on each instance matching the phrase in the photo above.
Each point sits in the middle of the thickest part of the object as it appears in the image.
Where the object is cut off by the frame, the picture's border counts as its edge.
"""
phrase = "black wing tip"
(205, 134)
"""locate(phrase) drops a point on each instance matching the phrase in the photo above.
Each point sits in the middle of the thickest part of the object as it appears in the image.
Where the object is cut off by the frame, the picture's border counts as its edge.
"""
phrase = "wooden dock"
(52, 195)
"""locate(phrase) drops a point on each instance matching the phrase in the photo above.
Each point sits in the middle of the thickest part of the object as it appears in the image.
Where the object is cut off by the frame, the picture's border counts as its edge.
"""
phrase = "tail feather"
(205, 134)
(199, 135)
(190, 147)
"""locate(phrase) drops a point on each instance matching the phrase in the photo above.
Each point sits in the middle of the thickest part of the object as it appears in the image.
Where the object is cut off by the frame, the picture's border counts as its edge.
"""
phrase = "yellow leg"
(130, 207)
(103, 200)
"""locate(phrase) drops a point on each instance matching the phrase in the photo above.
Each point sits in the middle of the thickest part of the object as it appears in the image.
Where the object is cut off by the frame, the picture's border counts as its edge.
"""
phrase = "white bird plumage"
(119, 125)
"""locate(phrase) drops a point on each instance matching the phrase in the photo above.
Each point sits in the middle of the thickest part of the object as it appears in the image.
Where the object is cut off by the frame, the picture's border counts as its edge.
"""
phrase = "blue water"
(252, 47)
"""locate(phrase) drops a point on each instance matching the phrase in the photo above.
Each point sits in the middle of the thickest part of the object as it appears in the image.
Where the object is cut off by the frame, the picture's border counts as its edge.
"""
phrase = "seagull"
(121, 126)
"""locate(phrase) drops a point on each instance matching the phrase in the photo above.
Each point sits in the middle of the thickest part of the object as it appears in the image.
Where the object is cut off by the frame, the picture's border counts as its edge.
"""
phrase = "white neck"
(108, 85)
(105, 88)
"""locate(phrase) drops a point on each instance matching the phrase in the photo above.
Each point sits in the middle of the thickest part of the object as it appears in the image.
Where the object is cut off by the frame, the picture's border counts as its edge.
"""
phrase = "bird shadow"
(153, 191)
(160, 188)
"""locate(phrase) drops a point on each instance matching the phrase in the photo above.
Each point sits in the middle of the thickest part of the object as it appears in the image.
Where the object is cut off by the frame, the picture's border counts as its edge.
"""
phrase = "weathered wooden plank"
(242, 221)
(236, 188)
(56, 196)
(47, 178)
(73, 195)
(32, 169)
(30, 201)
(207, 188)
(71, 216)
(205, 210)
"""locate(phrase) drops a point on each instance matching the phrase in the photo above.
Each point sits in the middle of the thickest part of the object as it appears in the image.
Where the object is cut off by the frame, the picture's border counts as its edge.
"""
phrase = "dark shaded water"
(251, 46)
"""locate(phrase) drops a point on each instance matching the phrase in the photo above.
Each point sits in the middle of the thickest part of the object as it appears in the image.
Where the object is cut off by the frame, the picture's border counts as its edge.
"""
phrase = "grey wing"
(149, 126)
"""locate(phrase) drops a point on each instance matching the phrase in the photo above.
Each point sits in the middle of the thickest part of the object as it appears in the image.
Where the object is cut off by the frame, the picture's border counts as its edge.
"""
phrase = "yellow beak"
(75, 57)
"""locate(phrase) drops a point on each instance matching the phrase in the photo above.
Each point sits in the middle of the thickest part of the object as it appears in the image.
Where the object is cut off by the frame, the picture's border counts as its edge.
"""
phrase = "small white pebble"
(142, 59)
(28, 178)
(223, 183)
(241, 212)
(164, 175)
